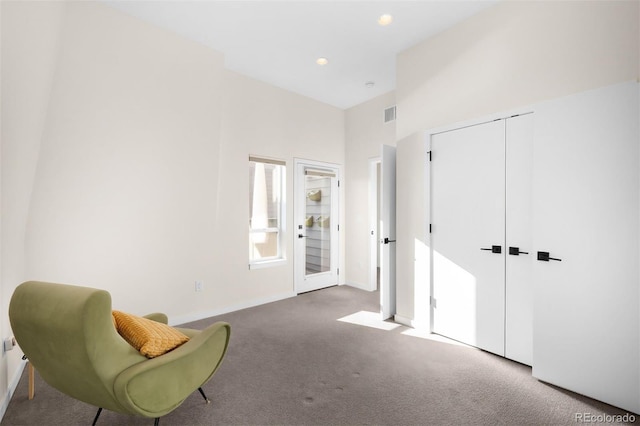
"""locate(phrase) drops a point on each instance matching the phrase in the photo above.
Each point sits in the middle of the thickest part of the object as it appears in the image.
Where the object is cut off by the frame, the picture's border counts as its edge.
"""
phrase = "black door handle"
(302, 236)
(544, 257)
(493, 249)
(387, 241)
(515, 251)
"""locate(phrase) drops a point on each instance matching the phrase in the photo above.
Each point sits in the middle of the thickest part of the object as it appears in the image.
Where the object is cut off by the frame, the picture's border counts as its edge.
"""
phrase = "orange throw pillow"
(149, 337)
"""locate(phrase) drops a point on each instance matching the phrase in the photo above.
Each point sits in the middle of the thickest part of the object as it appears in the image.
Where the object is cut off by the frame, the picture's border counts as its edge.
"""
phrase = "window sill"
(268, 264)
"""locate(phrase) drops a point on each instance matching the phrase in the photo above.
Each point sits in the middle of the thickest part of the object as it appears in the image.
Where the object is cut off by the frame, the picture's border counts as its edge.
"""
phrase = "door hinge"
(338, 184)
(434, 302)
(338, 271)
(429, 152)
(429, 228)
(338, 227)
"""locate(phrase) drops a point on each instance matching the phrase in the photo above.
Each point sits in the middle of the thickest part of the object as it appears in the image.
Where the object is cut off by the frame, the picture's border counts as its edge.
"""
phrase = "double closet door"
(481, 191)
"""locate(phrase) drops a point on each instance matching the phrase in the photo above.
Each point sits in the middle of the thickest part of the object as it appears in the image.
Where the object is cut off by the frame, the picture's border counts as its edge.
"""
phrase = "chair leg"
(204, 396)
(97, 415)
(157, 421)
(32, 383)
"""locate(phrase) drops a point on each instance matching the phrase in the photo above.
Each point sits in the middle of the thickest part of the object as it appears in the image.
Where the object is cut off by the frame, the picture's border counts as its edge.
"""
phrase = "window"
(266, 210)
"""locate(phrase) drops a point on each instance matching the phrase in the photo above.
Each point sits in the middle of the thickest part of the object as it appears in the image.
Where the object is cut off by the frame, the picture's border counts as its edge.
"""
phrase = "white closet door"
(586, 210)
(520, 254)
(467, 189)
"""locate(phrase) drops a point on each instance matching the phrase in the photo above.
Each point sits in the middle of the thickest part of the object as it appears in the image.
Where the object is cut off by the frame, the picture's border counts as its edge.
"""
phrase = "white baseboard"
(359, 286)
(183, 319)
(11, 388)
(410, 322)
(403, 320)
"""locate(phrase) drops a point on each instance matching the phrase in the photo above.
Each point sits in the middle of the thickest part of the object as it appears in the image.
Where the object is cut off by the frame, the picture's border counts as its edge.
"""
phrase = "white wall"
(263, 120)
(510, 55)
(365, 133)
(126, 162)
(121, 195)
(412, 252)
(30, 35)
(515, 53)
(3, 328)
(142, 181)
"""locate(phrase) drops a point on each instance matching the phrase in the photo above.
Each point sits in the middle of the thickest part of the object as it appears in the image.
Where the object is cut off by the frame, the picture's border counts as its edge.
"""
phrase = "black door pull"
(544, 257)
(493, 249)
(515, 251)
(302, 236)
(387, 241)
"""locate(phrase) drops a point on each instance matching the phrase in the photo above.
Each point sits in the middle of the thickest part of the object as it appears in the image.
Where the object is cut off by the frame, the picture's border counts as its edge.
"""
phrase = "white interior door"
(468, 233)
(388, 232)
(520, 255)
(586, 209)
(316, 225)
(374, 222)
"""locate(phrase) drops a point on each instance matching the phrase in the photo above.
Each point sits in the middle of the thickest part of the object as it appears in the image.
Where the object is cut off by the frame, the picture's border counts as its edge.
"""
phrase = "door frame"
(298, 198)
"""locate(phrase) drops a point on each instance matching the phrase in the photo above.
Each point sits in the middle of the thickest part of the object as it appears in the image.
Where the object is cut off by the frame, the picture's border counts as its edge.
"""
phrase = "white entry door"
(468, 234)
(388, 232)
(316, 225)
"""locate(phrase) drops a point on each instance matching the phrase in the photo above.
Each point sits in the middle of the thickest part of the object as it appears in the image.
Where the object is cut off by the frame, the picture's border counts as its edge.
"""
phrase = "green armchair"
(67, 333)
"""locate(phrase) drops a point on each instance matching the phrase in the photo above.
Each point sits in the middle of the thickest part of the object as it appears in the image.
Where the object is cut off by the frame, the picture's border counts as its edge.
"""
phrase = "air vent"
(390, 114)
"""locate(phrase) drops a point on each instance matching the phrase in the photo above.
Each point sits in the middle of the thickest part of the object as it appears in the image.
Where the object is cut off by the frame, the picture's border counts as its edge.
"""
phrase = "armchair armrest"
(158, 317)
(155, 387)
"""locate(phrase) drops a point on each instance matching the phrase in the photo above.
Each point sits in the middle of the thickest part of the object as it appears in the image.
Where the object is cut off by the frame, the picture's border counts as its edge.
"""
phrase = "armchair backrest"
(68, 335)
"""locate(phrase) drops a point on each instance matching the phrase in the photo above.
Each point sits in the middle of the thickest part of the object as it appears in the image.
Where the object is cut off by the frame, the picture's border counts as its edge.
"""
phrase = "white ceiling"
(278, 42)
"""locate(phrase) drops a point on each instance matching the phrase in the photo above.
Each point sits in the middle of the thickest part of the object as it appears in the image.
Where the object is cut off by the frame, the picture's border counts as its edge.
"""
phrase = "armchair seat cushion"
(149, 337)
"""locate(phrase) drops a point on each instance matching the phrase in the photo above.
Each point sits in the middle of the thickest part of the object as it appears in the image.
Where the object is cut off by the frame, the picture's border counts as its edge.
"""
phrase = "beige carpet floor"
(293, 363)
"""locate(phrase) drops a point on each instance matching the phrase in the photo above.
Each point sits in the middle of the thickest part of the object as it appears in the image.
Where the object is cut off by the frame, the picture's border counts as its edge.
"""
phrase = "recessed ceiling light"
(322, 61)
(370, 84)
(385, 19)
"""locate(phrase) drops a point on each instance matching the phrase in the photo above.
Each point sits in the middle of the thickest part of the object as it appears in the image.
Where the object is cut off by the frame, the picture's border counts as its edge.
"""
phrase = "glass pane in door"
(317, 221)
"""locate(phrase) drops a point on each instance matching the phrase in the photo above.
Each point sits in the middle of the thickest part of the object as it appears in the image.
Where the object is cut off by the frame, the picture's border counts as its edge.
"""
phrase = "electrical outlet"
(199, 286)
(9, 343)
